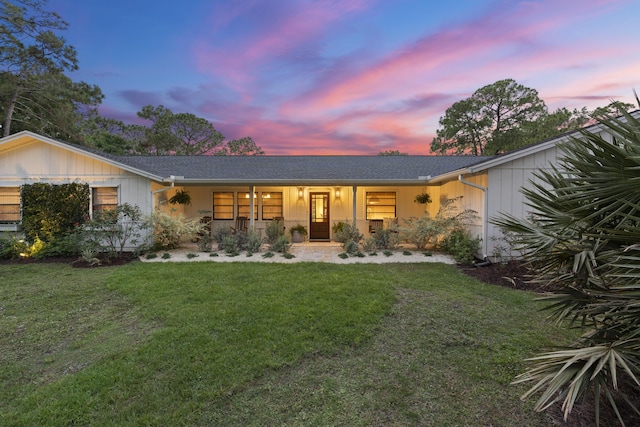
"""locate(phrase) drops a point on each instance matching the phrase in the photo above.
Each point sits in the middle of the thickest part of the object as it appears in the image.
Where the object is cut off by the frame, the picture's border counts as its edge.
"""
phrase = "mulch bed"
(512, 274)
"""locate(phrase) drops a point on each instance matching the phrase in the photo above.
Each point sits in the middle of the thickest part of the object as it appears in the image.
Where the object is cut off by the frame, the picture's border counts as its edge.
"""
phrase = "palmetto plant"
(583, 237)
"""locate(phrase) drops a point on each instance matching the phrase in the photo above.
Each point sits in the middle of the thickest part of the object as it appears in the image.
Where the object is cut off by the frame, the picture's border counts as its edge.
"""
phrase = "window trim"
(8, 193)
(240, 199)
(93, 205)
(281, 205)
(213, 205)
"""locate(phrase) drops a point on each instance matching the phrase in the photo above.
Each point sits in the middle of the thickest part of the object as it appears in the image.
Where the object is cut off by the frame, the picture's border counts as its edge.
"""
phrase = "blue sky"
(347, 76)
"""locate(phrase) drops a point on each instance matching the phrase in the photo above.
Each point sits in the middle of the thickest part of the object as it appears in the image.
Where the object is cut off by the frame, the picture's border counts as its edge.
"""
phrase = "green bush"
(348, 234)
(169, 231)
(67, 245)
(350, 247)
(229, 244)
(204, 242)
(369, 244)
(273, 231)
(281, 244)
(253, 241)
(115, 230)
(386, 239)
(461, 245)
(12, 248)
(50, 211)
(421, 231)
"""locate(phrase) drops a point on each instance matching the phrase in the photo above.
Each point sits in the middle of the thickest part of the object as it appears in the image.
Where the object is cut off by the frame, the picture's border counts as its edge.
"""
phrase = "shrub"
(253, 241)
(169, 231)
(219, 234)
(369, 244)
(50, 211)
(281, 244)
(386, 239)
(348, 234)
(67, 245)
(204, 243)
(273, 230)
(114, 230)
(229, 244)
(461, 245)
(420, 231)
(350, 247)
(582, 240)
(12, 248)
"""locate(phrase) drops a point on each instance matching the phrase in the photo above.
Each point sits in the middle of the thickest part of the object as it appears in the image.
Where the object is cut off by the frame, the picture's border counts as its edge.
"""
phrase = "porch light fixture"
(338, 193)
(300, 193)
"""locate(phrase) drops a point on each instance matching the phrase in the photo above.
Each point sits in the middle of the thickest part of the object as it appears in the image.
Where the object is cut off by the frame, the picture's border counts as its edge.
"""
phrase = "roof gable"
(19, 139)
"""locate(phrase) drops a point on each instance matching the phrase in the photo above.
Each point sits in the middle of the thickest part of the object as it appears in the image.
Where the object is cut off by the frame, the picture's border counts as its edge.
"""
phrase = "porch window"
(222, 205)
(271, 205)
(243, 205)
(381, 205)
(9, 204)
(104, 199)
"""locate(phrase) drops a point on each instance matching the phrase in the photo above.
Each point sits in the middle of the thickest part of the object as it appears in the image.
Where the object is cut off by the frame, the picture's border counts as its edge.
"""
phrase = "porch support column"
(355, 204)
(251, 209)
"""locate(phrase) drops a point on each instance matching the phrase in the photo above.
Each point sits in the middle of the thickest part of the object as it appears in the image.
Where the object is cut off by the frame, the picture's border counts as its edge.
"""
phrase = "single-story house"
(315, 191)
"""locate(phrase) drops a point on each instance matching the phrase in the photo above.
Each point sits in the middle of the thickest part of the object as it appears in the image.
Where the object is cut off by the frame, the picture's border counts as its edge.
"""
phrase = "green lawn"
(263, 344)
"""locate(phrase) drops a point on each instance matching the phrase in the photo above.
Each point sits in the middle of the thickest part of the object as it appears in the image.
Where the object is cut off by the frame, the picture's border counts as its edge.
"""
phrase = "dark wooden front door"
(319, 220)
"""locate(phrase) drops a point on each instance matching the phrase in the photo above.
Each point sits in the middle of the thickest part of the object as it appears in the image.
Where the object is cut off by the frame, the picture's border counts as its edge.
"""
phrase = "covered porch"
(316, 207)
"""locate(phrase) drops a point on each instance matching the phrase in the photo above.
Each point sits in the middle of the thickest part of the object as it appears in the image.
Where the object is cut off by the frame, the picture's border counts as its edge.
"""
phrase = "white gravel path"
(303, 252)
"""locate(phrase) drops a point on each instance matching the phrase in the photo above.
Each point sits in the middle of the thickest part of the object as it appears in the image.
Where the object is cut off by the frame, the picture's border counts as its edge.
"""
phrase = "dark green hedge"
(50, 211)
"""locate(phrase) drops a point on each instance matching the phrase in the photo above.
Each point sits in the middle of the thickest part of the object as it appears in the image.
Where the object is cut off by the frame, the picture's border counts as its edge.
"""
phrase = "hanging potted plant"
(422, 198)
(182, 197)
(298, 233)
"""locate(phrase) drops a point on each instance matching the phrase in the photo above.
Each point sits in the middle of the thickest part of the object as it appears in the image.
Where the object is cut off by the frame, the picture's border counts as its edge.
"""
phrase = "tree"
(187, 134)
(241, 147)
(33, 59)
(180, 134)
(582, 241)
(552, 124)
(110, 135)
(491, 121)
(391, 153)
(613, 109)
(50, 104)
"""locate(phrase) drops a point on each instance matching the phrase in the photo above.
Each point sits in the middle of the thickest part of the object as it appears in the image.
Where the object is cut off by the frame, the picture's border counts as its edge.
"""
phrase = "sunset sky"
(347, 76)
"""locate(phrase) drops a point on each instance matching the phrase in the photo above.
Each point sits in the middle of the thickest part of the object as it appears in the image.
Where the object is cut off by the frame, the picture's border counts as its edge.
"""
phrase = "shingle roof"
(300, 169)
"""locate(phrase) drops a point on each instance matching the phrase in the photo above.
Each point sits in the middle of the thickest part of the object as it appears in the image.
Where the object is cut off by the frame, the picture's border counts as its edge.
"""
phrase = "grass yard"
(264, 344)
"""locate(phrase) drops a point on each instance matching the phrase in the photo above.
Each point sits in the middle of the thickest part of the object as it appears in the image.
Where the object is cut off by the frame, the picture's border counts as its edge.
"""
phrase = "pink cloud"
(285, 28)
(428, 59)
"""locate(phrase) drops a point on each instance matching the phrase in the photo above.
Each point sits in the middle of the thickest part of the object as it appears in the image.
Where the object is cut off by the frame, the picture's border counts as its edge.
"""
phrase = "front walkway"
(302, 252)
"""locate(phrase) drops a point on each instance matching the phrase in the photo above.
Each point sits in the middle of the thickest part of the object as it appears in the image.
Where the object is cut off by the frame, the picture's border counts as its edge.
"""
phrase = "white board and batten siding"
(505, 183)
(36, 161)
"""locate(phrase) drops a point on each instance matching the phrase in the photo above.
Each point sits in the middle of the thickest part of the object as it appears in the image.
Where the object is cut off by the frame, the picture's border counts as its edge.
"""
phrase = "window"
(381, 205)
(104, 199)
(10, 204)
(271, 205)
(243, 205)
(223, 205)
